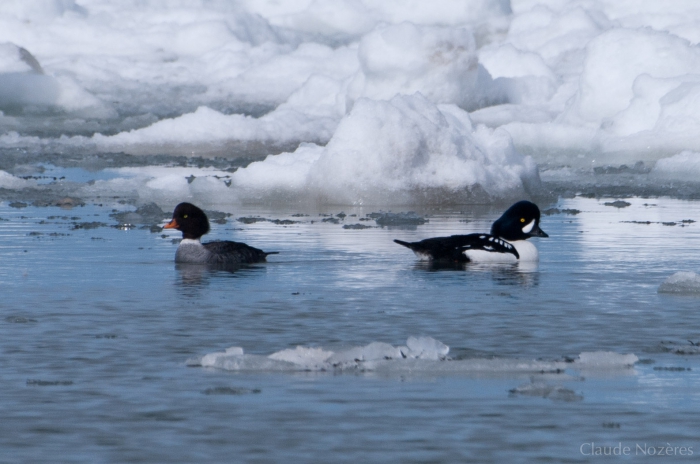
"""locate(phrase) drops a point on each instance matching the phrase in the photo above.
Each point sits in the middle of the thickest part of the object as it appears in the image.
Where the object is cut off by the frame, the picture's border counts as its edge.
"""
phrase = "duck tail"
(406, 244)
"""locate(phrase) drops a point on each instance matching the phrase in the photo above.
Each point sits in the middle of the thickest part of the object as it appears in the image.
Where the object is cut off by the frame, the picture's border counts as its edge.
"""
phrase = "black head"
(190, 220)
(519, 222)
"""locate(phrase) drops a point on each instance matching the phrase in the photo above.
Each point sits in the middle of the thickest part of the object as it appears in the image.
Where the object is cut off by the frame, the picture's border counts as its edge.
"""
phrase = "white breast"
(191, 251)
(526, 250)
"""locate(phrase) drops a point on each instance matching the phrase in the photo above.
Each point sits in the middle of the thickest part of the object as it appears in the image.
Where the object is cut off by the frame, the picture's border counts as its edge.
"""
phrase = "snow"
(399, 151)
(359, 101)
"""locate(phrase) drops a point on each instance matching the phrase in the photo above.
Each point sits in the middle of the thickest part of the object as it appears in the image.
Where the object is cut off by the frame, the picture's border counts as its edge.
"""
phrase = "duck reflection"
(196, 276)
(520, 273)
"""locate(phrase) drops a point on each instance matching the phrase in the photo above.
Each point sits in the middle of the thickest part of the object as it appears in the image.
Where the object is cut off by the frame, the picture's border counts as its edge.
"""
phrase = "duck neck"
(190, 241)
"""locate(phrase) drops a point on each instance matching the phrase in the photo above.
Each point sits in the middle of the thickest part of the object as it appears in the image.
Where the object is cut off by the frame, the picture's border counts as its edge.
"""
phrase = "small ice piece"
(684, 282)
(307, 358)
(210, 360)
(605, 360)
(234, 351)
(375, 351)
(426, 348)
(692, 348)
(552, 392)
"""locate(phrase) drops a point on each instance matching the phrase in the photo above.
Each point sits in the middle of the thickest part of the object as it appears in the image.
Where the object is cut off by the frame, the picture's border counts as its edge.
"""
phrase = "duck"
(507, 242)
(193, 223)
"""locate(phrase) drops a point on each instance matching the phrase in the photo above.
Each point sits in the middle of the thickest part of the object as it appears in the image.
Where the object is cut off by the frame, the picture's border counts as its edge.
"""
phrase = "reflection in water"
(196, 276)
(521, 273)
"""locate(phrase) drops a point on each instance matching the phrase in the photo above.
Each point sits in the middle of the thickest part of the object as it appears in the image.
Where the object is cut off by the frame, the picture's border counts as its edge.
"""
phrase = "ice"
(404, 150)
(607, 83)
(22, 81)
(545, 390)
(359, 101)
(426, 348)
(683, 282)
(304, 358)
(439, 62)
(604, 360)
(689, 348)
(420, 355)
(8, 181)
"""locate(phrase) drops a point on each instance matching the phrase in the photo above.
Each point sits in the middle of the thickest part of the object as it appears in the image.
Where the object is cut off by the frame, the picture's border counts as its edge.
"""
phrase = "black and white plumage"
(505, 243)
(193, 223)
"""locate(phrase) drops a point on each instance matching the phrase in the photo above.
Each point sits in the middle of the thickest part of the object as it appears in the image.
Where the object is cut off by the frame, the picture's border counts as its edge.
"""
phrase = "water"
(98, 325)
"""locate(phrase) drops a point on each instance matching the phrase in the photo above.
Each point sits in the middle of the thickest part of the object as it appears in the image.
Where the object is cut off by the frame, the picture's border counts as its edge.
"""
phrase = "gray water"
(98, 325)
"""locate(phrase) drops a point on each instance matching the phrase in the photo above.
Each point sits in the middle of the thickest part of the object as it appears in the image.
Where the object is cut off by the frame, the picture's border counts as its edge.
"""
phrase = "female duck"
(193, 223)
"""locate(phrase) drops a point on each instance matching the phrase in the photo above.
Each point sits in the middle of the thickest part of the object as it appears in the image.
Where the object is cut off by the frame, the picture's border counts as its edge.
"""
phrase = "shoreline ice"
(533, 87)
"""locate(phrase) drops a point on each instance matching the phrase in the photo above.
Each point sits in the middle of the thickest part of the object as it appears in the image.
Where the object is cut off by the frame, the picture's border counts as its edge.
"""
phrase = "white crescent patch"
(528, 227)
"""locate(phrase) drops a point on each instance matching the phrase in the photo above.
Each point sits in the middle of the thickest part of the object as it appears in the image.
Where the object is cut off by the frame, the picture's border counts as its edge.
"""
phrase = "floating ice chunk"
(420, 355)
(681, 282)
(604, 360)
(426, 348)
(241, 362)
(209, 360)
(375, 351)
(677, 348)
(545, 390)
(234, 351)
(9, 181)
(303, 357)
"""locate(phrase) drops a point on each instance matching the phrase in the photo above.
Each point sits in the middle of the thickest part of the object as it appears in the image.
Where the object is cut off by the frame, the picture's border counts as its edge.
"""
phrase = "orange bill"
(171, 225)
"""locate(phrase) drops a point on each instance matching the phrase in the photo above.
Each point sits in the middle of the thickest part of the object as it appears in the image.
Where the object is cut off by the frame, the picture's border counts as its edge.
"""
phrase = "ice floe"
(683, 282)
(419, 355)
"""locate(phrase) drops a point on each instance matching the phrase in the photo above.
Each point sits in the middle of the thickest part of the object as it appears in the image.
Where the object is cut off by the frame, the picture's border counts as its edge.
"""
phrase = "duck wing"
(452, 248)
(227, 252)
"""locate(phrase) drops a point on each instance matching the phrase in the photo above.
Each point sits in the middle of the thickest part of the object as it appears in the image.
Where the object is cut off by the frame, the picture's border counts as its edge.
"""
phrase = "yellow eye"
(521, 219)
(184, 216)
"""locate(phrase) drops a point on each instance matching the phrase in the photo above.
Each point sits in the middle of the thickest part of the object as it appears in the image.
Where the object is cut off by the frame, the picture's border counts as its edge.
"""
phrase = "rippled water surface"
(98, 325)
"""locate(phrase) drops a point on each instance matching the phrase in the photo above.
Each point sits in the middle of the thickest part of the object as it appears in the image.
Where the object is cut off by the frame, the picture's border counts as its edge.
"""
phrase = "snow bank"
(683, 282)
(683, 166)
(439, 62)
(405, 150)
(419, 355)
(253, 78)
